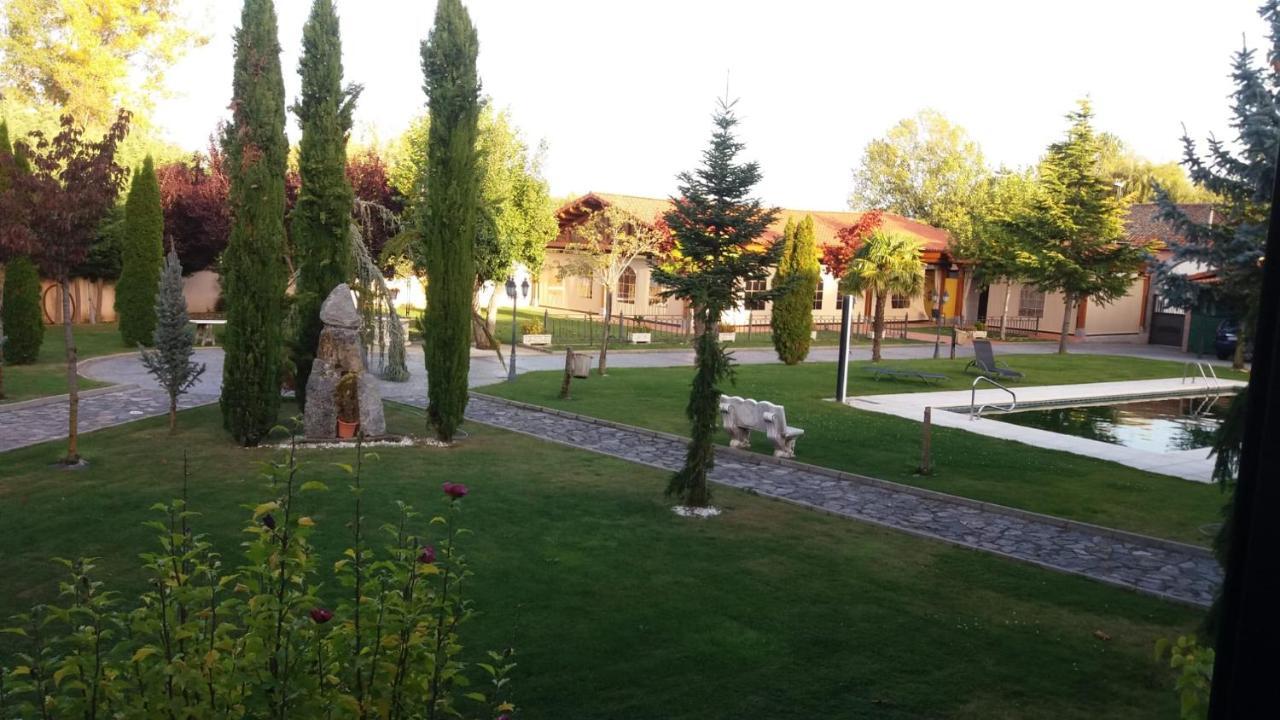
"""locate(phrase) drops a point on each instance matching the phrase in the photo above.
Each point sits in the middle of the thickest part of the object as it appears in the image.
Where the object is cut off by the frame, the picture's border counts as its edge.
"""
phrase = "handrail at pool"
(975, 411)
(1202, 367)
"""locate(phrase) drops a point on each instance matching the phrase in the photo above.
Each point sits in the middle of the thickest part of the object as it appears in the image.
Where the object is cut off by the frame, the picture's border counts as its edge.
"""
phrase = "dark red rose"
(455, 490)
(321, 616)
(427, 555)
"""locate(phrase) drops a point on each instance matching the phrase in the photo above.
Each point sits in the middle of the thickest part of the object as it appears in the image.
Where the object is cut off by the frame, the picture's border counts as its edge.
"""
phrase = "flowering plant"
(255, 640)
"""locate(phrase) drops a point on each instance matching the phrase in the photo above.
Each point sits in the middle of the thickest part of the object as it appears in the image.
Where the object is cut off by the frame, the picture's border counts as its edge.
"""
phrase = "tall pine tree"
(253, 277)
(717, 229)
(141, 254)
(1241, 177)
(447, 226)
(322, 216)
(1073, 229)
(796, 282)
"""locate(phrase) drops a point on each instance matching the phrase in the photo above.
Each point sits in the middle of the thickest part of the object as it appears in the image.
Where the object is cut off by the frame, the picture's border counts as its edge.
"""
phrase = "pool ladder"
(975, 411)
(1210, 377)
(1206, 371)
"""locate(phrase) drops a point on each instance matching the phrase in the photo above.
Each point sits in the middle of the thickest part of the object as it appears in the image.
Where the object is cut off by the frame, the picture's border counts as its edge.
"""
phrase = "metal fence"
(574, 327)
(1020, 326)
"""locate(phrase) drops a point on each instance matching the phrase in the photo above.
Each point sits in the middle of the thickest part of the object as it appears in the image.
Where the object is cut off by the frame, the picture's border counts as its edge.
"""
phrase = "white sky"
(622, 92)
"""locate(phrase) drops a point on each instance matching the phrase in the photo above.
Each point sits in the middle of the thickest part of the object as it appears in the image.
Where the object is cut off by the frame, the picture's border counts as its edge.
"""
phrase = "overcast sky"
(622, 92)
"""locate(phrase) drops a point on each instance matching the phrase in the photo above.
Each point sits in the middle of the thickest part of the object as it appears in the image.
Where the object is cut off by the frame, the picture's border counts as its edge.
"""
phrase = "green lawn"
(48, 374)
(887, 447)
(620, 609)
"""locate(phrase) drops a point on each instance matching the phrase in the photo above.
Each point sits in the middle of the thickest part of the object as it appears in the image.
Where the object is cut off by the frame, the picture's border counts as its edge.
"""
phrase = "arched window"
(627, 286)
(1030, 302)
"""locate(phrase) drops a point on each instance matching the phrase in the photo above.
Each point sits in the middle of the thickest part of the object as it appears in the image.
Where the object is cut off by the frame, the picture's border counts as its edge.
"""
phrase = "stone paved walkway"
(40, 421)
(1167, 570)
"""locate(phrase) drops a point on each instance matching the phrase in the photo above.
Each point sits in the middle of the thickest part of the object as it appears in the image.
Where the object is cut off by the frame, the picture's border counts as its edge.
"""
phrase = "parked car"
(1224, 342)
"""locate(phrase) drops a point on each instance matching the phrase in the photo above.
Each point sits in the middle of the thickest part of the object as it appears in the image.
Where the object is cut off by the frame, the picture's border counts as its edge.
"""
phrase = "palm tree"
(888, 262)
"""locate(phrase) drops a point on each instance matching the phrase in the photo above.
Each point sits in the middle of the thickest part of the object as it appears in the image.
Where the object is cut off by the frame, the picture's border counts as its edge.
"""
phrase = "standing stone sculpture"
(339, 353)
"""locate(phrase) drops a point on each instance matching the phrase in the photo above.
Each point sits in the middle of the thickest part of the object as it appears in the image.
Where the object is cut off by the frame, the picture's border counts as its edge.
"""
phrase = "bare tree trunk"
(481, 329)
(604, 336)
(1068, 306)
(1237, 358)
(491, 315)
(73, 385)
(1004, 314)
(568, 374)
(173, 414)
(877, 331)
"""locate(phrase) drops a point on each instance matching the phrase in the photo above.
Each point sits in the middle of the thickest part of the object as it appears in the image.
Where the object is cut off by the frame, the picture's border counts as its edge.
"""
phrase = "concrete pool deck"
(1194, 465)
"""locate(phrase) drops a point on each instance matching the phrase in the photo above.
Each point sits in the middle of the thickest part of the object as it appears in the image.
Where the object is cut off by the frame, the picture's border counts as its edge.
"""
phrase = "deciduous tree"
(796, 283)
(141, 255)
(887, 263)
(253, 277)
(447, 226)
(321, 219)
(925, 168)
(197, 216)
(604, 246)
(992, 250)
(717, 227)
(72, 185)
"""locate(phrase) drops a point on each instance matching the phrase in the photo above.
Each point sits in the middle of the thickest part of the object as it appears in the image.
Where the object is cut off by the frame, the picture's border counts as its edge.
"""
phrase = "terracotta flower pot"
(347, 430)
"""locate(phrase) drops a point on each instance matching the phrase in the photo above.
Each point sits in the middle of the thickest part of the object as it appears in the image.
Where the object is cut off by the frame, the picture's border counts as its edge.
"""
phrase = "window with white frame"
(655, 293)
(817, 297)
(1031, 302)
(753, 290)
(585, 285)
(627, 286)
(900, 301)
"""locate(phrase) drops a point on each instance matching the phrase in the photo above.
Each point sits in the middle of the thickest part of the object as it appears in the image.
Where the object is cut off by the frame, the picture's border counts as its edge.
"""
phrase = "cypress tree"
(447, 225)
(253, 278)
(23, 321)
(321, 218)
(796, 283)
(717, 228)
(170, 361)
(141, 255)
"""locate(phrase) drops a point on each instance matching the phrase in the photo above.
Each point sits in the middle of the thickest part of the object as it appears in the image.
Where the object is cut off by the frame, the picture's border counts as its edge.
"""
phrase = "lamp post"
(937, 338)
(511, 293)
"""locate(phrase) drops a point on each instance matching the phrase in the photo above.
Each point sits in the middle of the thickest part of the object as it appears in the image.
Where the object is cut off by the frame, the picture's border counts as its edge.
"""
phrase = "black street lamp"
(511, 293)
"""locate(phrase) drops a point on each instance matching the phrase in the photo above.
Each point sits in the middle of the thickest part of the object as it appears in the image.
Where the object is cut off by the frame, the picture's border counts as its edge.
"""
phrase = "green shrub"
(1194, 665)
(979, 326)
(531, 327)
(796, 283)
(285, 633)
(23, 318)
(141, 256)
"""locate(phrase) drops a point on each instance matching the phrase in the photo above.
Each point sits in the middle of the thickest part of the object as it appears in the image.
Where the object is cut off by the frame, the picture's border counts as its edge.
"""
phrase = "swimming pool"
(1156, 425)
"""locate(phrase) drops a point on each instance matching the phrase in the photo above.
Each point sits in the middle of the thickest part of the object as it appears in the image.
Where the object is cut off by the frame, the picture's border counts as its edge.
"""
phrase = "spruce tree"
(796, 283)
(253, 278)
(1241, 177)
(321, 219)
(23, 320)
(447, 226)
(717, 227)
(173, 341)
(1073, 229)
(141, 256)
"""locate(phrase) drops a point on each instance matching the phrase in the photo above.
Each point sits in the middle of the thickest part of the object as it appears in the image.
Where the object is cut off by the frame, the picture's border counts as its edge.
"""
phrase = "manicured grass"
(619, 609)
(48, 374)
(1000, 471)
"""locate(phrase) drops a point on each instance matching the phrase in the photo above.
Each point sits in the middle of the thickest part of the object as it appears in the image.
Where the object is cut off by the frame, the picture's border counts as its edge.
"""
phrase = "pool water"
(1163, 425)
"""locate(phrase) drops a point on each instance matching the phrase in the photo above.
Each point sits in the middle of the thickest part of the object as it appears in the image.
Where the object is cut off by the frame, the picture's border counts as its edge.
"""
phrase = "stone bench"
(742, 415)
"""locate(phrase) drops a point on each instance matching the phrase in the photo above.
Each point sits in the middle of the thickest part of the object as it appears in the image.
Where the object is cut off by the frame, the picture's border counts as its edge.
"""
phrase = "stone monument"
(339, 353)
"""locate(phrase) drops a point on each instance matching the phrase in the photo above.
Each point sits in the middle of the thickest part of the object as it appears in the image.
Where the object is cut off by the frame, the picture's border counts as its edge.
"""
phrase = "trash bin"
(582, 364)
